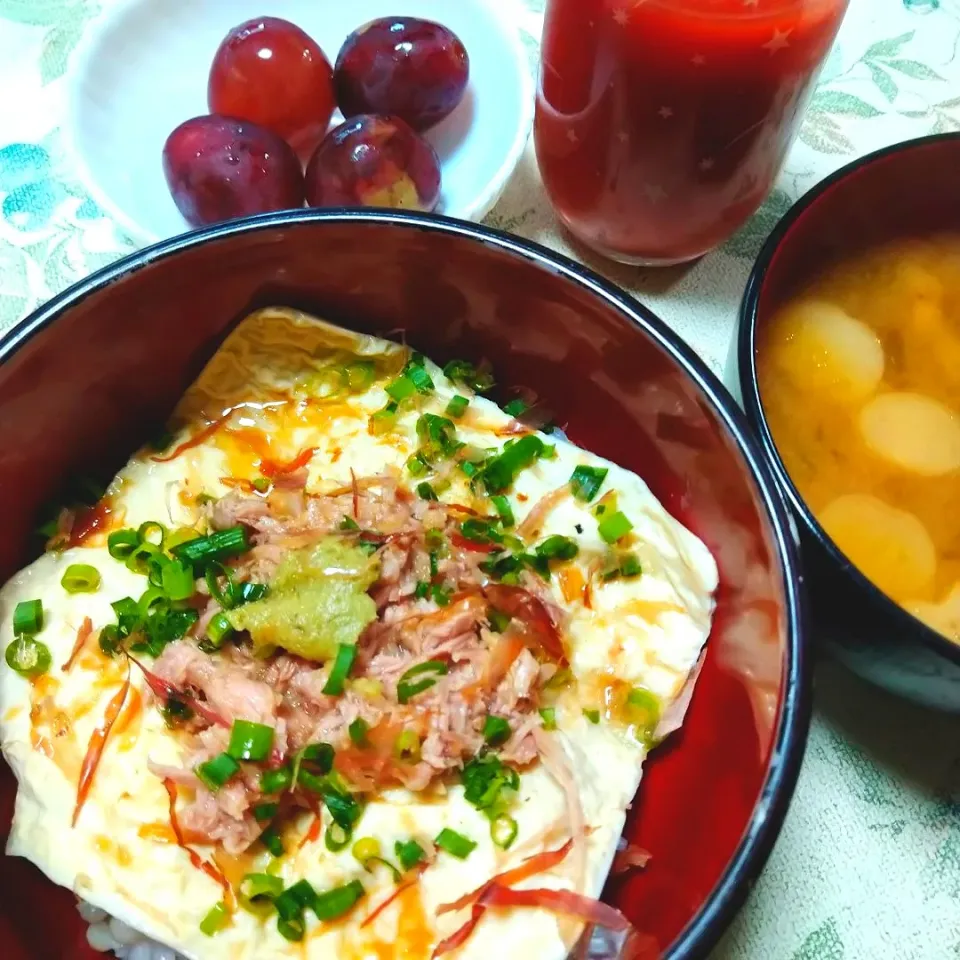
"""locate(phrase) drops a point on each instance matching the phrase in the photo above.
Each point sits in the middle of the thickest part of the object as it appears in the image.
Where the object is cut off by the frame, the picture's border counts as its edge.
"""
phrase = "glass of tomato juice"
(661, 125)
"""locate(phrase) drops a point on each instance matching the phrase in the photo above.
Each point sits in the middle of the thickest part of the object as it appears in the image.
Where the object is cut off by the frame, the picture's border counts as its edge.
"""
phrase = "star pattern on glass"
(665, 112)
(751, 3)
(778, 41)
(623, 136)
(572, 135)
(620, 17)
(698, 60)
(705, 164)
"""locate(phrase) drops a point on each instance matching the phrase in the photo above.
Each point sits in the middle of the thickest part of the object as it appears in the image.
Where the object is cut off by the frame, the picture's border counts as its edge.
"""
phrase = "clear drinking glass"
(661, 125)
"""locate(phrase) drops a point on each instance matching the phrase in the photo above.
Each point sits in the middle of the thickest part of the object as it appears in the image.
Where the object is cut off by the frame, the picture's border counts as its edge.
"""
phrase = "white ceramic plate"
(142, 69)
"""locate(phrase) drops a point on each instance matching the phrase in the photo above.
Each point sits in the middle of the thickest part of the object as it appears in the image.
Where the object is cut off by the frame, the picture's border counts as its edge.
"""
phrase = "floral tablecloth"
(868, 864)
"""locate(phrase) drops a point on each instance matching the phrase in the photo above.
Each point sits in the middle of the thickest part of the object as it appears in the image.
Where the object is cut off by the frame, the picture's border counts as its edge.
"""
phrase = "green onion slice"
(457, 407)
(383, 420)
(409, 686)
(177, 580)
(558, 547)
(400, 389)
(256, 885)
(549, 717)
(217, 546)
(499, 473)
(217, 919)
(496, 730)
(425, 491)
(614, 527)
(250, 741)
(80, 578)
(121, 543)
(409, 853)
(499, 621)
(587, 481)
(455, 843)
(516, 408)
(643, 708)
(592, 715)
(270, 838)
(503, 830)
(338, 901)
(28, 656)
(218, 630)
(216, 772)
(337, 836)
(504, 510)
(346, 653)
(407, 746)
(28, 616)
(358, 732)
(265, 811)
(462, 371)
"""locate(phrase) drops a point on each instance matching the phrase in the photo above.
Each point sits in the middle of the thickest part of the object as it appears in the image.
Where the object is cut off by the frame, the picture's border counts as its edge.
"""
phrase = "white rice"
(106, 934)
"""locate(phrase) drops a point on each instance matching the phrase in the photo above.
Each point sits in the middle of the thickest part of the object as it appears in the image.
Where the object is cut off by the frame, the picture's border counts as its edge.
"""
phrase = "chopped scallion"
(457, 407)
(549, 717)
(425, 491)
(496, 730)
(503, 830)
(28, 656)
(358, 732)
(270, 838)
(516, 408)
(215, 773)
(586, 482)
(265, 811)
(121, 543)
(504, 510)
(338, 901)
(28, 617)
(80, 578)
(216, 546)
(407, 746)
(455, 843)
(250, 741)
(346, 653)
(217, 919)
(409, 853)
(614, 526)
(592, 715)
(409, 686)
(218, 629)
(177, 580)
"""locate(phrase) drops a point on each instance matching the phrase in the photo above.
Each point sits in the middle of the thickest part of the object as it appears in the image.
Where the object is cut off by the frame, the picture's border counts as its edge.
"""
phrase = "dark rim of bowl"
(901, 619)
(703, 931)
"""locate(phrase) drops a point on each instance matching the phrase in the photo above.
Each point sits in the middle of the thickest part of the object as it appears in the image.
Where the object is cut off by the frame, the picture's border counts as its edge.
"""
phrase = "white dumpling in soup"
(821, 346)
(889, 546)
(943, 617)
(913, 431)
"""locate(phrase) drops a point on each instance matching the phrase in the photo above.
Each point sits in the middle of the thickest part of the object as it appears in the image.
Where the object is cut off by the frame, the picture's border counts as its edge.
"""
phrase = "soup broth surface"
(860, 380)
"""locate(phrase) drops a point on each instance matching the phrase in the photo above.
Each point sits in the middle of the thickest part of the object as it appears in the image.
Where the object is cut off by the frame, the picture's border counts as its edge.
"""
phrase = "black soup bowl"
(84, 380)
(908, 190)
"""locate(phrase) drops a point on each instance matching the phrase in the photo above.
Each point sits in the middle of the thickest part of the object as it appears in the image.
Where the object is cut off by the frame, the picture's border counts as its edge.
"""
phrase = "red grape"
(269, 71)
(374, 162)
(403, 67)
(218, 168)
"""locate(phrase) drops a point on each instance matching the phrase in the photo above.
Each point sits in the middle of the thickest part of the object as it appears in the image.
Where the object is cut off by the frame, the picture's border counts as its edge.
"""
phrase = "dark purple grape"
(218, 168)
(374, 162)
(402, 67)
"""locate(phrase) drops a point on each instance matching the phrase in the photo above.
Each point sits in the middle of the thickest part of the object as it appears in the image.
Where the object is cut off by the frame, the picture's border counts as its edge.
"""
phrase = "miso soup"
(860, 380)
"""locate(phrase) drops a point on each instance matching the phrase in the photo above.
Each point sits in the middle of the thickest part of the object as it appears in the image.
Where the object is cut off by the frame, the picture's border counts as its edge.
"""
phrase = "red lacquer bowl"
(84, 380)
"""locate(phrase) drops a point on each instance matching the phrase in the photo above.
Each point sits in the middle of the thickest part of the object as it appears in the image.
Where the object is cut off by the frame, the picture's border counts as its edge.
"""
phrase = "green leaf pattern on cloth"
(868, 864)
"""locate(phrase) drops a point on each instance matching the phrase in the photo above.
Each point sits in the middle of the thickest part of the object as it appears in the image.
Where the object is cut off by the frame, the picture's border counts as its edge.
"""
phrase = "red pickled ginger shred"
(95, 748)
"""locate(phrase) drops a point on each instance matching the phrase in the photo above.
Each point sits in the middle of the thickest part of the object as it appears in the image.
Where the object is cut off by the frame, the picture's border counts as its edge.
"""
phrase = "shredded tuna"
(485, 671)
